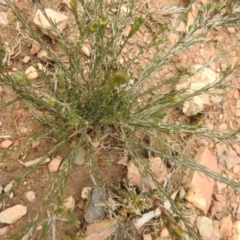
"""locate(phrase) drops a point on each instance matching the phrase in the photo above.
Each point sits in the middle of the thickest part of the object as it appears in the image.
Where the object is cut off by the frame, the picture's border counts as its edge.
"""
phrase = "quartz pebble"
(12, 214)
(6, 144)
(30, 196)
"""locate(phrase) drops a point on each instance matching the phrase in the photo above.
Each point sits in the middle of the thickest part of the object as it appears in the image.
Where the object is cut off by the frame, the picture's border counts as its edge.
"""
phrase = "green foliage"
(2, 55)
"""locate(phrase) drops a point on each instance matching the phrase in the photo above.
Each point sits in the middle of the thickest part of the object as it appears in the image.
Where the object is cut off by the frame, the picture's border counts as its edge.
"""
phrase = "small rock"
(35, 144)
(203, 184)
(95, 209)
(236, 231)
(158, 168)
(237, 113)
(134, 177)
(86, 192)
(19, 5)
(164, 233)
(1, 123)
(226, 227)
(86, 51)
(205, 227)
(35, 48)
(11, 215)
(123, 161)
(238, 103)
(3, 19)
(69, 203)
(32, 73)
(147, 237)
(26, 59)
(4, 230)
(156, 165)
(6, 144)
(42, 55)
(232, 158)
(223, 126)
(8, 187)
(30, 196)
(59, 19)
(39, 227)
(101, 230)
(196, 197)
(124, 9)
(54, 165)
(236, 169)
(231, 30)
(195, 83)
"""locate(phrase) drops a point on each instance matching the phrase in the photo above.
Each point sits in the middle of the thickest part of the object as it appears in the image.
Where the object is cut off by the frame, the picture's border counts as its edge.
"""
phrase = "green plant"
(88, 97)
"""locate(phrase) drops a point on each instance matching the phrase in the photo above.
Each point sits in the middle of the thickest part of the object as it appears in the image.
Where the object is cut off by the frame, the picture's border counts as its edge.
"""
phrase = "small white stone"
(59, 19)
(193, 106)
(8, 187)
(85, 192)
(201, 79)
(11, 215)
(30, 196)
(124, 9)
(32, 73)
(205, 227)
(86, 51)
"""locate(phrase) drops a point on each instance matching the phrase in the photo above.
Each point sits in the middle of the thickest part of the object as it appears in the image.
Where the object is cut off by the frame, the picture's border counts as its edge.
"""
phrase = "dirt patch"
(18, 124)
